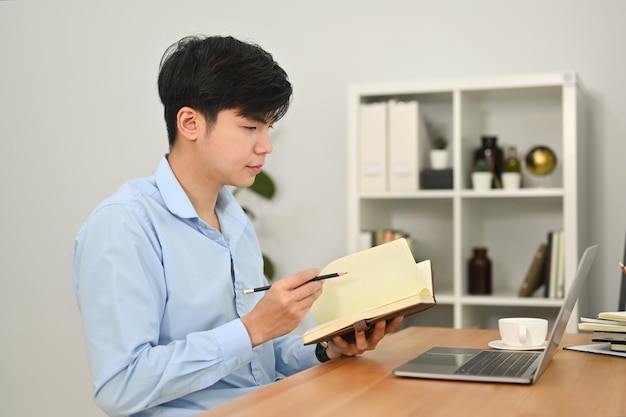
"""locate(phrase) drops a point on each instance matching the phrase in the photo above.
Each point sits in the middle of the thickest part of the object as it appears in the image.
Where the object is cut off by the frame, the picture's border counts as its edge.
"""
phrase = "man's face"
(233, 150)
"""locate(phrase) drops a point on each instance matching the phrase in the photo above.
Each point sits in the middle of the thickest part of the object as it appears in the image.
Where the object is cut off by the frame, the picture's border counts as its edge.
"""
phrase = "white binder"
(408, 145)
(372, 137)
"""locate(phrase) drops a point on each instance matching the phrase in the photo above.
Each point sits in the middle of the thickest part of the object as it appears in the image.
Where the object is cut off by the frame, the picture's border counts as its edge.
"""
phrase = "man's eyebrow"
(258, 119)
(269, 118)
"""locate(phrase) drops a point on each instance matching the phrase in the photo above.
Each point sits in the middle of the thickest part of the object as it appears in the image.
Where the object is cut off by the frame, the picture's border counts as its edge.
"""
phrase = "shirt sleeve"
(293, 356)
(121, 292)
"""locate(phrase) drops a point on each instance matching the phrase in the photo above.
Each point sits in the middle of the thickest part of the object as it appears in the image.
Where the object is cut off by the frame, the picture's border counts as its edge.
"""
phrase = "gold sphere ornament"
(540, 160)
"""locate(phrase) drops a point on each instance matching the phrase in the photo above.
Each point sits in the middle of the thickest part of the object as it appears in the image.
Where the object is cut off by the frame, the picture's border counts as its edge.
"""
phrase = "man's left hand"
(340, 347)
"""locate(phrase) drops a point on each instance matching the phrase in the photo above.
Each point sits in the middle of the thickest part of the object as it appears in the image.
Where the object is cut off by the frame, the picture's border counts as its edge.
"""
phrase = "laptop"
(486, 365)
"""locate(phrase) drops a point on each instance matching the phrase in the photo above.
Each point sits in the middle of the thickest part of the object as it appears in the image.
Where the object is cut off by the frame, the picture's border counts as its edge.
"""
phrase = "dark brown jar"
(493, 154)
(479, 272)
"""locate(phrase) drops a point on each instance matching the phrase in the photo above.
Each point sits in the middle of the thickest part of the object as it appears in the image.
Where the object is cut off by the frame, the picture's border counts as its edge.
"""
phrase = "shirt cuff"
(307, 357)
(234, 343)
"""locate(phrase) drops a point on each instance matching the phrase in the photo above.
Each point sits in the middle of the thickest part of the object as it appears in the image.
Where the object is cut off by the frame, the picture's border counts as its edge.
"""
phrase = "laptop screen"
(565, 312)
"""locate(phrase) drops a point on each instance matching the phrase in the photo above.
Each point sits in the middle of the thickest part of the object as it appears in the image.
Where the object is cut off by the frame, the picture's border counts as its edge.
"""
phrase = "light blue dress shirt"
(161, 295)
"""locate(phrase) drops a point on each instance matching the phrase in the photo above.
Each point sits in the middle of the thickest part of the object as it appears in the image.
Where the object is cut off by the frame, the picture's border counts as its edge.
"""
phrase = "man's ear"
(189, 123)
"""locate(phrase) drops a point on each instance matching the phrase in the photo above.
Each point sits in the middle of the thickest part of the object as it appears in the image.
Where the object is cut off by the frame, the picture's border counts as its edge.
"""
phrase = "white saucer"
(499, 344)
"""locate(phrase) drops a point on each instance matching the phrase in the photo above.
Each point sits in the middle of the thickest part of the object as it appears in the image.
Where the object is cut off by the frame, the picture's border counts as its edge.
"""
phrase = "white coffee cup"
(523, 331)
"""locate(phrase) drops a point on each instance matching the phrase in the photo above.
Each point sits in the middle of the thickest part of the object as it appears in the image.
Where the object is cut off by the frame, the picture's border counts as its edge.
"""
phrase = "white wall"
(79, 114)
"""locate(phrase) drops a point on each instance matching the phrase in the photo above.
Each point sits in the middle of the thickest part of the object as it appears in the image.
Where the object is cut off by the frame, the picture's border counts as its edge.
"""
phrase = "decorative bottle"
(512, 163)
(490, 151)
(479, 272)
(512, 175)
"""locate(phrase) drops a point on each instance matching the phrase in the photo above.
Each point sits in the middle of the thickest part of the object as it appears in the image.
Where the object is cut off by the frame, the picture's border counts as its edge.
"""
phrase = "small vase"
(439, 158)
(481, 181)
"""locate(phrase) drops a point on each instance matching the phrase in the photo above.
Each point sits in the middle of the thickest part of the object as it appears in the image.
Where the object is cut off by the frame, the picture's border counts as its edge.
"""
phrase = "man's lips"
(255, 168)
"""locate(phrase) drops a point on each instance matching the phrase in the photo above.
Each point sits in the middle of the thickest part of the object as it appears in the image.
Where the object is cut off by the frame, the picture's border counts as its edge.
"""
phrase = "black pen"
(319, 278)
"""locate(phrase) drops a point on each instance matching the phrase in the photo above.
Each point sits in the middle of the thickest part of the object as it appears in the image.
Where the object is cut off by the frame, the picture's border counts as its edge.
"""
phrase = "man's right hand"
(283, 307)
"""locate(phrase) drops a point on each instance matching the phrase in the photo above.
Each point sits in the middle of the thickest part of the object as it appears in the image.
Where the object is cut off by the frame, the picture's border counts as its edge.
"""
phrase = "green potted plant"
(439, 152)
(512, 175)
(482, 175)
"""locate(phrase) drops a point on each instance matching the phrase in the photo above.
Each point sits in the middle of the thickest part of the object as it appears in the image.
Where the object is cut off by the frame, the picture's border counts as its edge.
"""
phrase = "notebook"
(520, 367)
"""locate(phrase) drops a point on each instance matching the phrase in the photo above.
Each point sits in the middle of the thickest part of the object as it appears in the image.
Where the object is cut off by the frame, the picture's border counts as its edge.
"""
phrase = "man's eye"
(250, 127)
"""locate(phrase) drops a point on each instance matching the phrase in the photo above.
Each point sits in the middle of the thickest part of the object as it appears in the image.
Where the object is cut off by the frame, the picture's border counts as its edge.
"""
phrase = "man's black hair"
(216, 73)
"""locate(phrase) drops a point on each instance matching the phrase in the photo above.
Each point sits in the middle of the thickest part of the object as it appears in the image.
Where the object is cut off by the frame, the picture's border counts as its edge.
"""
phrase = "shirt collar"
(178, 203)
(173, 194)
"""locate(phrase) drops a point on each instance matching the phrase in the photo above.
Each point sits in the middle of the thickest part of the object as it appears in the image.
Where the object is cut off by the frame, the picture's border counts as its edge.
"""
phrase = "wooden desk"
(575, 384)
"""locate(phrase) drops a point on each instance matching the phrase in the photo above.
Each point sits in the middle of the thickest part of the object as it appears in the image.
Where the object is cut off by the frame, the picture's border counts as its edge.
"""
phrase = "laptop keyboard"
(498, 363)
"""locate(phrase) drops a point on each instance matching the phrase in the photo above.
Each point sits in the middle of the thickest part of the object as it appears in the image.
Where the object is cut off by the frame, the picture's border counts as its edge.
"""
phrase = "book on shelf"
(377, 237)
(372, 138)
(381, 283)
(546, 266)
(534, 277)
(559, 291)
(553, 268)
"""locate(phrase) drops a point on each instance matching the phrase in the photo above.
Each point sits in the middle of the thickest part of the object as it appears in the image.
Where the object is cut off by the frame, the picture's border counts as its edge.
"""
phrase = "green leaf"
(263, 185)
(248, 212)
(482, 165)
(440, 142)
(268, 268)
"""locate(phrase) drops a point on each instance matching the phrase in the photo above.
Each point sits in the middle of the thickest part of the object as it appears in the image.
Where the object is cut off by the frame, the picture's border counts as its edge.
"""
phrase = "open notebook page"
(375, 276)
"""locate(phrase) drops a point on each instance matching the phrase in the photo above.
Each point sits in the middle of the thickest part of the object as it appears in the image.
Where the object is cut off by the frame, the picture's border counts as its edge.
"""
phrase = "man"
(161, 265)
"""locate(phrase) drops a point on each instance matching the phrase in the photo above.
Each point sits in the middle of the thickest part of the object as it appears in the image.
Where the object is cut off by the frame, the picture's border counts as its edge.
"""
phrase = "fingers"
(341, 347)
(283, 307)
(372, 341)
(299, 285)
(301, 278)
(362, 342)
(394, 324)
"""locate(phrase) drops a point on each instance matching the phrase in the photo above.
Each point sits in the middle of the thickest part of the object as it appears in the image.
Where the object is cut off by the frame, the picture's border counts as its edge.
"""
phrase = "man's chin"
(245, 183)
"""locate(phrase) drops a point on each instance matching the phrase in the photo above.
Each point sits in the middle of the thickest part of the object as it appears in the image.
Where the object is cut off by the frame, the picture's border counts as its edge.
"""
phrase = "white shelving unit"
(522, 110)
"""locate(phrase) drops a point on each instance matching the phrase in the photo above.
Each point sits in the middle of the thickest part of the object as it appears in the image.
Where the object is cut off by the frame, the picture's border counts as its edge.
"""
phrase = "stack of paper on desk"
(608, 327)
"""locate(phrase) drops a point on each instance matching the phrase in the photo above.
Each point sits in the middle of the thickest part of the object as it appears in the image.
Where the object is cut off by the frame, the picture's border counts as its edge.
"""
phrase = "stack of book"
(547, 268)
(608, 327)
(375, 237)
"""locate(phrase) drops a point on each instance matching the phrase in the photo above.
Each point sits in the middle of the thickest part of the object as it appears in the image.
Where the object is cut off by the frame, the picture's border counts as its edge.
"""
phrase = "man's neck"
(203, 195)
